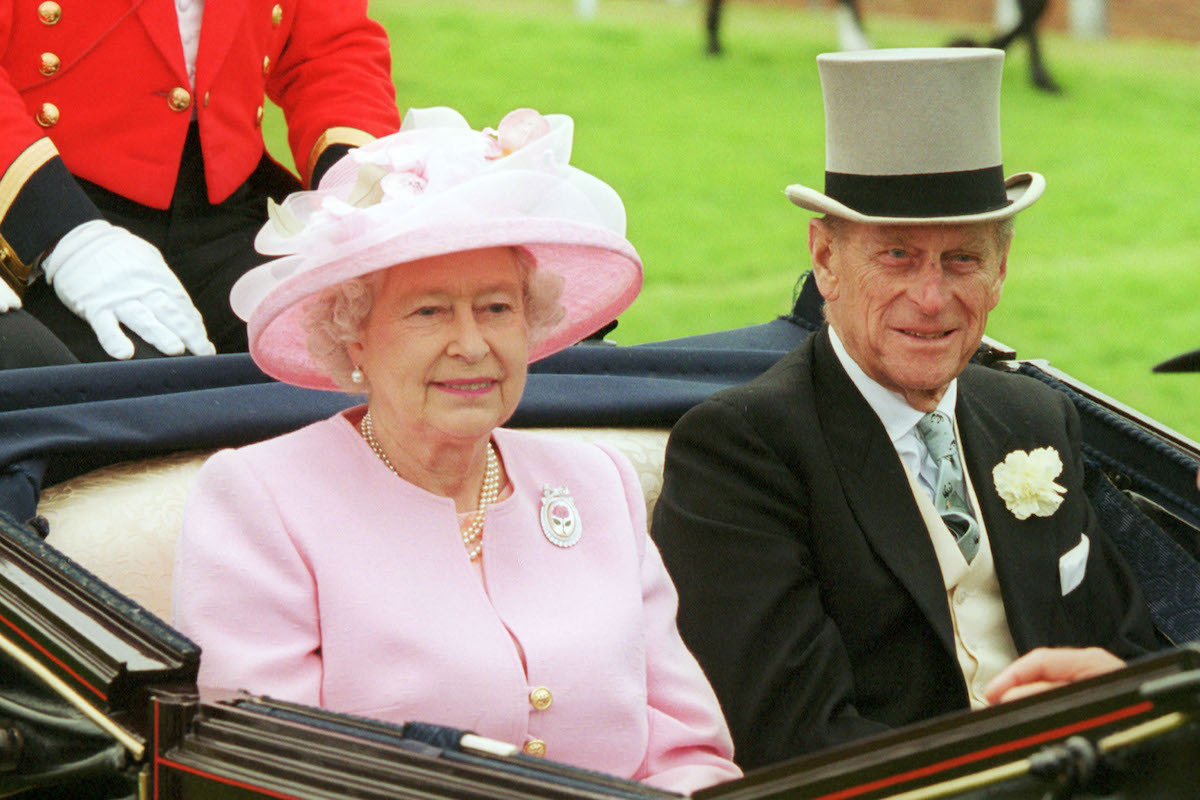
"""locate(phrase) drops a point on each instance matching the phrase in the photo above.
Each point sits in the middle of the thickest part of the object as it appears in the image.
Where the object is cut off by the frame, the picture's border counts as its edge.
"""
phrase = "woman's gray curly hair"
(335, 317)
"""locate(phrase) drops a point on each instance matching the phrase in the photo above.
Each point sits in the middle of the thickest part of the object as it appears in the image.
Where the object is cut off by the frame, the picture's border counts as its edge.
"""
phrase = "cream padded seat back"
(120, 522)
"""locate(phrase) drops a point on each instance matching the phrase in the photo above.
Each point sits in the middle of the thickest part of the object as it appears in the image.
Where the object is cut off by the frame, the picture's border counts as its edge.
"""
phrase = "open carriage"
(98, 695)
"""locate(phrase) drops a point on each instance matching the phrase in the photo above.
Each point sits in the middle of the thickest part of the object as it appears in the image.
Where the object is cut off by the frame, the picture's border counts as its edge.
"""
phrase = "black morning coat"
(809, 588)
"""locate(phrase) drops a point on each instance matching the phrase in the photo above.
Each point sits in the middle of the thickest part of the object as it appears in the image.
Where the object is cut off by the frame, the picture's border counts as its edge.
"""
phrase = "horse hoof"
(1046, 84)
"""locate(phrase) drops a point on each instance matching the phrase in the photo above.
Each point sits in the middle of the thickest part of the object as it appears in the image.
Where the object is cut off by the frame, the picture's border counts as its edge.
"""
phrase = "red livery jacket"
(98, 89)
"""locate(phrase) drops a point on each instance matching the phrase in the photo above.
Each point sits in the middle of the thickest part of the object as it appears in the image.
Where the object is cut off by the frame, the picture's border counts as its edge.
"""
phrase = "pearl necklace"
(490, 490)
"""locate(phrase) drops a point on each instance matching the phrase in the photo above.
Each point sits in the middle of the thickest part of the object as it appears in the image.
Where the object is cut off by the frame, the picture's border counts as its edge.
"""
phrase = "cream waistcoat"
(982, 639)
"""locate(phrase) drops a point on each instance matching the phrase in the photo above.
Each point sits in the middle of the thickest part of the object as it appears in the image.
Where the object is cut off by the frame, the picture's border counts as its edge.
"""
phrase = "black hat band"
(939, 194)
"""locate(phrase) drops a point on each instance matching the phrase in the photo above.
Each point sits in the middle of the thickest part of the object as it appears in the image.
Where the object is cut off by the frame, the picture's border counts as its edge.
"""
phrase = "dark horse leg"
(712, 24)
(851, 37)
(1031, 14)
(852, 5)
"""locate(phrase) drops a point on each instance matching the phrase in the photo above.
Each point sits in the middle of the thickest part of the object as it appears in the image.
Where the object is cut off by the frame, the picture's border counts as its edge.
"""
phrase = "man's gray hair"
(1002, 228)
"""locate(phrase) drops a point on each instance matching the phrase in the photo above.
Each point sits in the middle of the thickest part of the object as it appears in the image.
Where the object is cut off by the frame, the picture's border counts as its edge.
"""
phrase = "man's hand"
(110, 278)
(8, 298)
(1048, 668)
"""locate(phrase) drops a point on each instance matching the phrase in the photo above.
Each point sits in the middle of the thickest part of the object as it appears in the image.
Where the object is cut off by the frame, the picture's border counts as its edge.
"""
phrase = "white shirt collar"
(897, 416)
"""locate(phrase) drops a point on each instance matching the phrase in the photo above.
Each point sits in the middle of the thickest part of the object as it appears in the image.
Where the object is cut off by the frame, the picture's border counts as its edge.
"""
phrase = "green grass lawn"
(1104, 274)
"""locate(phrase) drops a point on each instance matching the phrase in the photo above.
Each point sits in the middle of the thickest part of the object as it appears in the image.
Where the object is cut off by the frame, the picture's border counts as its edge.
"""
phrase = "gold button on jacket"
(535, 747)
(541, 698)
(47, 115)
(179, 99)
(49, 13)
(111, 65)
(49, 63)
(276, 15)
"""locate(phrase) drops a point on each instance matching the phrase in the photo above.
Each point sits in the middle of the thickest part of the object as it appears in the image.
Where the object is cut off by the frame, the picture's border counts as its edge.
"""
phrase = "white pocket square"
(1072, 565)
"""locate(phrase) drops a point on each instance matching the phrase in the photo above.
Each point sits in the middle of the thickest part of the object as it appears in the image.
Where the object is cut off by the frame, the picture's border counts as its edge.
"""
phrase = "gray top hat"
(912, 137)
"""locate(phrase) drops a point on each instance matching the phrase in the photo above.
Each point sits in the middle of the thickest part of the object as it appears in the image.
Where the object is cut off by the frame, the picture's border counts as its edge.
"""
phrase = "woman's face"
(445, 346)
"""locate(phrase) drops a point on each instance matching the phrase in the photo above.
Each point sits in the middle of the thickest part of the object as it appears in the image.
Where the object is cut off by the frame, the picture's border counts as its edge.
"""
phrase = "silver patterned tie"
(949, 497)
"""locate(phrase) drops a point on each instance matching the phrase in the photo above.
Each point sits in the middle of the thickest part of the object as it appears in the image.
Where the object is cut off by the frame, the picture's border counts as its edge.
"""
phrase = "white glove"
(8, 298)
(111, 278)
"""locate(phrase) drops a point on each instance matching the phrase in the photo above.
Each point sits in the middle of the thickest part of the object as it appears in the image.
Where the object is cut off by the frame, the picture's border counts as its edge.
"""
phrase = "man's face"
(909, 302)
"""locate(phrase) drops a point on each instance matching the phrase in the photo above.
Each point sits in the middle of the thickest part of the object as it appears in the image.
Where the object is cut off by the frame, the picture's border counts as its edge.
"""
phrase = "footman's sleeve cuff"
(39, 202)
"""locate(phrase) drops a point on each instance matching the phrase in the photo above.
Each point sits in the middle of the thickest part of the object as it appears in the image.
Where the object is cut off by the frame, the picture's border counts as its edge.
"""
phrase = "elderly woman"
(410, 559)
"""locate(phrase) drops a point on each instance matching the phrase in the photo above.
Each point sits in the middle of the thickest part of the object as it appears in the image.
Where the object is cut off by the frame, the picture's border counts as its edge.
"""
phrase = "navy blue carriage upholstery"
(59, 422)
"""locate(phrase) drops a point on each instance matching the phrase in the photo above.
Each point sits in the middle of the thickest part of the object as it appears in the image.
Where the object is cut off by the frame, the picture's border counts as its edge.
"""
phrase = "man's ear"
(998, 284)
(820, 250)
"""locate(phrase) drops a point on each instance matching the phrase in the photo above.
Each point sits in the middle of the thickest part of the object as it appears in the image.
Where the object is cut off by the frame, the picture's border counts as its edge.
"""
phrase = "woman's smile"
(467, 387)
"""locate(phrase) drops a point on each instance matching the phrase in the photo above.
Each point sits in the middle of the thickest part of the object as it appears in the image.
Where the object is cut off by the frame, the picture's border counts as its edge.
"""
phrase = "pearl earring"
(356, 376)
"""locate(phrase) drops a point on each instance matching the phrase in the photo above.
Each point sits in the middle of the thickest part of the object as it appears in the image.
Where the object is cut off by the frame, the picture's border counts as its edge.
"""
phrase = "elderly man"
(874, 530)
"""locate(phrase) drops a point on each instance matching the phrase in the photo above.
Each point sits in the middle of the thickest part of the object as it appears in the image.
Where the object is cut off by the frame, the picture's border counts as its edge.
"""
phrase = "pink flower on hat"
(397, 183)
(435, 152)
(520, 127)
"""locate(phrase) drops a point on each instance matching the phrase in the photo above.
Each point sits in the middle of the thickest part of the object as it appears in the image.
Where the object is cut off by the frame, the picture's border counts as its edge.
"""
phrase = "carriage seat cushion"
(120, 522)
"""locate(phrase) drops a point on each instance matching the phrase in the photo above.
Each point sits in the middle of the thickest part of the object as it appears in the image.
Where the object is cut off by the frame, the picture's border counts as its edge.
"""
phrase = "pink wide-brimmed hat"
(438, 187)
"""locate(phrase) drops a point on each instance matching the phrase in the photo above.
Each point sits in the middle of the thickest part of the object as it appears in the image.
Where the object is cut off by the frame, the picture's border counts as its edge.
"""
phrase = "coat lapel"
(221, 18)
(1025, 552)
(162, 26)
(877, 489)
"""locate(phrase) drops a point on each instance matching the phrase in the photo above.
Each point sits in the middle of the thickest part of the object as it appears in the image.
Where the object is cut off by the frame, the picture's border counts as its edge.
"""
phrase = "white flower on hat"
(1025, 481)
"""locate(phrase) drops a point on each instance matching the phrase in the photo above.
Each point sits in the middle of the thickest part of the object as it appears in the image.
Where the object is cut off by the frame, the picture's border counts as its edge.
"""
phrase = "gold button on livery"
(180, 99)
(258, 117)
(535, 747)
(540, 698)
(206, 99)
(49, 64)
(266, 65)
(49, 13)
(276, 15)
(47, 115)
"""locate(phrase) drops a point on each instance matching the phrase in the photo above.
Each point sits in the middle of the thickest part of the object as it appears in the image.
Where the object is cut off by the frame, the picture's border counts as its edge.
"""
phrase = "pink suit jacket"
(309, 572)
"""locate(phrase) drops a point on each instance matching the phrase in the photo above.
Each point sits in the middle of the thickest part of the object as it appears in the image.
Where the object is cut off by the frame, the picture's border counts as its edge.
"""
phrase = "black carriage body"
(99, 697)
